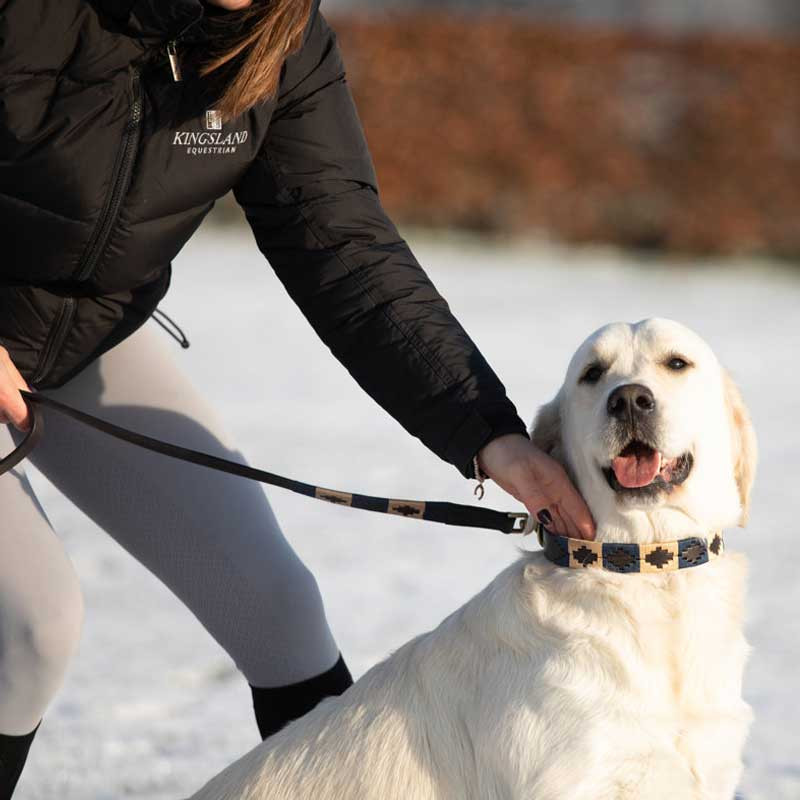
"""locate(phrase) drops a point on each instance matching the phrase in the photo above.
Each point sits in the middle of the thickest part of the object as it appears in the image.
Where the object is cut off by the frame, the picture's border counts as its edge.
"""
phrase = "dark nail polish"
(544, 517)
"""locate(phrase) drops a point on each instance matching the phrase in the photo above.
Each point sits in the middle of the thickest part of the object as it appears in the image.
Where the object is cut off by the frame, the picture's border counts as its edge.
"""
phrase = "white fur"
(557, 684)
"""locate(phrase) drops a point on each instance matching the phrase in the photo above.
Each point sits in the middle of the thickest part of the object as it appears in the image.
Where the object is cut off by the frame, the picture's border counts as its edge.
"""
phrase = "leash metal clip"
(520, 520)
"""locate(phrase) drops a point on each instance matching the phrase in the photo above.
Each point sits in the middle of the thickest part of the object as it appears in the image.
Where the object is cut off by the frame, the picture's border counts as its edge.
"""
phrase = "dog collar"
(623, 557)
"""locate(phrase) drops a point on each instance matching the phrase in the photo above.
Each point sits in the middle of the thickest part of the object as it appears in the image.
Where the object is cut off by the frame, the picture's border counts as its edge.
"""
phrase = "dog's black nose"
(631, 399)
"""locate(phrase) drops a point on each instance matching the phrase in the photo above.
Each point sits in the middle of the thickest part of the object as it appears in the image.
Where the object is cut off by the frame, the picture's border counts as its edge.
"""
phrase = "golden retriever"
(569, 684)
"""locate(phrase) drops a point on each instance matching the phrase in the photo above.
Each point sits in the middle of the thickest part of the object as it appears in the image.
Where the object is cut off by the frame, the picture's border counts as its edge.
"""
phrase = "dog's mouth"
(641, 469)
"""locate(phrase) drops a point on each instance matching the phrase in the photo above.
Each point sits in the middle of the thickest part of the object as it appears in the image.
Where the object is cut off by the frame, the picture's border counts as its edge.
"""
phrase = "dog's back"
(549, 684)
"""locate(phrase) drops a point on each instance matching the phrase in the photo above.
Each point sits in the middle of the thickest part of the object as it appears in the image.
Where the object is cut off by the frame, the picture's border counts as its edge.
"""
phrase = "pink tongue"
(633, 471)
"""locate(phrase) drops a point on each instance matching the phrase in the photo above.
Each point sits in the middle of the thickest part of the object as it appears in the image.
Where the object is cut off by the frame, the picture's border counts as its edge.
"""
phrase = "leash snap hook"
(520, 519)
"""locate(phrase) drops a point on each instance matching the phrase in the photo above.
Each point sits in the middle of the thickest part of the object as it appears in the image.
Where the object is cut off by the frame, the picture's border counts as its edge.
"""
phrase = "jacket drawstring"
(180, 337)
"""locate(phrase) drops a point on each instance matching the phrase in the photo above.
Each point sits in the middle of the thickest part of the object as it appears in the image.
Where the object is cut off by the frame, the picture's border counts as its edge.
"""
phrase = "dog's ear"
(745, 448)
(546, 430)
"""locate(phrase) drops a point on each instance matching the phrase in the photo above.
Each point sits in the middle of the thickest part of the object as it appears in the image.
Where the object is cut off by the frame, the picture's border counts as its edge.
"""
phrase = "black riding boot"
(13, 754)
(279, 705)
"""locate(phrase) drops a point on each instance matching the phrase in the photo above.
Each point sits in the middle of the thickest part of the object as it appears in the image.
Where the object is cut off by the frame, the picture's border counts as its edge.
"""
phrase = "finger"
(16, 377)
(574, 509)
(546, 512)
(559, 523)
(21, 422)
(15, 410)
(555, 481)
(535, 503)
(555, 518)
(24, 424)
(574, 531)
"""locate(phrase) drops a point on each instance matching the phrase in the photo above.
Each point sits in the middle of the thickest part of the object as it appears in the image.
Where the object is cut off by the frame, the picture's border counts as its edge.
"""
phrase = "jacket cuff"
(475, 432)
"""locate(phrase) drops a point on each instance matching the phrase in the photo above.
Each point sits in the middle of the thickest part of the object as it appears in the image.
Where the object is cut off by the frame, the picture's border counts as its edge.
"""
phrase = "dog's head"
(653, 431)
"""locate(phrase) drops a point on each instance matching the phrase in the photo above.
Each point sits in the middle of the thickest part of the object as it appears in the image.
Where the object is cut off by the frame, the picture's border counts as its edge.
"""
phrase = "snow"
(152, 707)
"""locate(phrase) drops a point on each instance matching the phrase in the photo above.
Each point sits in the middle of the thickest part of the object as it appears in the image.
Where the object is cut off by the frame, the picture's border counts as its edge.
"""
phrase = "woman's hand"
(13, 408)
(539, 482)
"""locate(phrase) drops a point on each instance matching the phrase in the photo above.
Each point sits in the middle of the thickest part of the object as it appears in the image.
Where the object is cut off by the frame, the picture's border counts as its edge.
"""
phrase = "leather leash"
(433, 511)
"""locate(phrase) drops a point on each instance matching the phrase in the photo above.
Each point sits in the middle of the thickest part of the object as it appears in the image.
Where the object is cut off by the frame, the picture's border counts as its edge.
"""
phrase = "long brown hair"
(253, 43)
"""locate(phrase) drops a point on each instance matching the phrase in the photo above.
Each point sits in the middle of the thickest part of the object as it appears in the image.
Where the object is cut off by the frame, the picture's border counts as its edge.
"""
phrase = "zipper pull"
(172, 53)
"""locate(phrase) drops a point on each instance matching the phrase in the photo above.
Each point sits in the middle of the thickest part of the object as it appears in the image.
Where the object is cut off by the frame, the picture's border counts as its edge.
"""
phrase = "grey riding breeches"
(210, 537)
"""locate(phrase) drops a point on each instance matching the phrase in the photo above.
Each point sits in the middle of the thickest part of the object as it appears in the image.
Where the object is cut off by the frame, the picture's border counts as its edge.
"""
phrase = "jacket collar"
(166, 20)
(161, 19)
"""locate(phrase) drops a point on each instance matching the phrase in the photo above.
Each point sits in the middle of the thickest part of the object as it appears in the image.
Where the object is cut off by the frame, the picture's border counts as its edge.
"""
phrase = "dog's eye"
(593, 374)
(677, 363)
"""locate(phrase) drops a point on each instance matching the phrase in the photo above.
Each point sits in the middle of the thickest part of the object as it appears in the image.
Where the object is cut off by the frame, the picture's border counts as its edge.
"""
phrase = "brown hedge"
(498, 124)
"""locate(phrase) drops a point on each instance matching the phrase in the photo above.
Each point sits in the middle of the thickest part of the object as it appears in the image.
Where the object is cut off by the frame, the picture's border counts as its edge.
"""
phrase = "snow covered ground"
(152, 707)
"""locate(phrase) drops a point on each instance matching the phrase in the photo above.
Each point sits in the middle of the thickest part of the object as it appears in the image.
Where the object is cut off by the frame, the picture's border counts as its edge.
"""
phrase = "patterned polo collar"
(622, 557)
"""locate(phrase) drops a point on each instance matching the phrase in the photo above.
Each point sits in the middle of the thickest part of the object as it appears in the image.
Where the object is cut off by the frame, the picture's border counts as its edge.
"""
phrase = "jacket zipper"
(105, 225)
(119, 183)
(55, 340)
(174, 61)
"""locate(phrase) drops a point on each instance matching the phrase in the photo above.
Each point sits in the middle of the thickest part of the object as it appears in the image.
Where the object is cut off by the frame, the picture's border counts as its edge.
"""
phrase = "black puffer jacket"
(107, 167)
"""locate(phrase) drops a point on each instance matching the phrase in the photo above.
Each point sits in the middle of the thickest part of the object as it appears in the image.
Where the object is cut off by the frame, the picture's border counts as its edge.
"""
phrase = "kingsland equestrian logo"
(211, 141)
(213, 120)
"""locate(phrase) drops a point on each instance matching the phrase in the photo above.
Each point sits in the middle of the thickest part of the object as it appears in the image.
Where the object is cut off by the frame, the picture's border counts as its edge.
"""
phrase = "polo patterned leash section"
(432, 511)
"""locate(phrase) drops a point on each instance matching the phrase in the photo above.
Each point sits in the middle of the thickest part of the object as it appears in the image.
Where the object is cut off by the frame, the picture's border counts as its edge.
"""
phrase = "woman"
(123, 121)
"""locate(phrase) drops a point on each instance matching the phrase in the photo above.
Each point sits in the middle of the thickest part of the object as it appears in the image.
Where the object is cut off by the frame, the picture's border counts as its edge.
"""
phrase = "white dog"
(571, 684)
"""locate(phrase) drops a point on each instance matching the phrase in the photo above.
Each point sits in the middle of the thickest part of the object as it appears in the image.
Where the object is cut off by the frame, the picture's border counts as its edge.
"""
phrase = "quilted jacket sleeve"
(312, 201)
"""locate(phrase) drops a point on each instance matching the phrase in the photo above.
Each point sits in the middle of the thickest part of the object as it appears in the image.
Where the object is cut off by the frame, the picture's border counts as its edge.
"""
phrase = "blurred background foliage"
(672, 126)
(774, 16)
